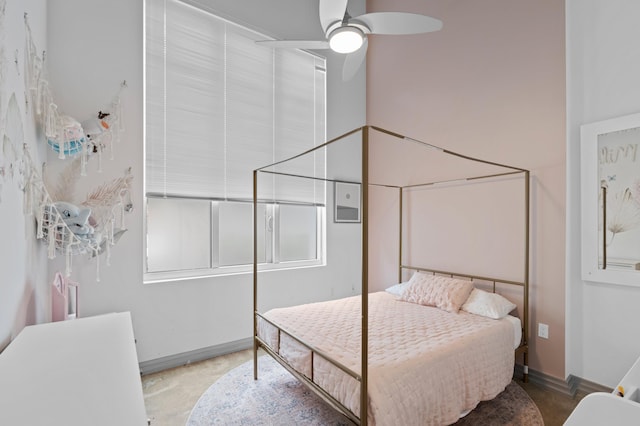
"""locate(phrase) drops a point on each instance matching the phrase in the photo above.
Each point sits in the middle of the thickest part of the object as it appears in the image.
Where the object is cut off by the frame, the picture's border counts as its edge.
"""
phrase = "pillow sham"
(487, 304)
(445, 293)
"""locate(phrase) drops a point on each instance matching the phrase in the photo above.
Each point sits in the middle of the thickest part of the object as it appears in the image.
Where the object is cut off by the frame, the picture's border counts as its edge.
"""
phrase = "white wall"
(88, 61)
(24, 290)
(603, 65)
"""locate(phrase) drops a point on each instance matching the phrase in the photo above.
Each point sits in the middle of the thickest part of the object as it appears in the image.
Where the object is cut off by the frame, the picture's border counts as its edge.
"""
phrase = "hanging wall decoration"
(37, 87)
(12, 140)
(12, 165)
(69, 226)
(67, 136)
(70, 138)
(91, 226)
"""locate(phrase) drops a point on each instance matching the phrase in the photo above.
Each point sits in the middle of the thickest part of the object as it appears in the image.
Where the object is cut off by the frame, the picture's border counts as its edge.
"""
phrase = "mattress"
(426, 366)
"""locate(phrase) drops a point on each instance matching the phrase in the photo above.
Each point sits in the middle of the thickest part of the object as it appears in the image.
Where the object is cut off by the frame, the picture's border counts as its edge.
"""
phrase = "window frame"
(272, 255)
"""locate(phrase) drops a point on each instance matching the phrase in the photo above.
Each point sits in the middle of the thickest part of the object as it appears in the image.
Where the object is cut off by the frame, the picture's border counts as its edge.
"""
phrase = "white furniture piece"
(602, 408)
(78, 372)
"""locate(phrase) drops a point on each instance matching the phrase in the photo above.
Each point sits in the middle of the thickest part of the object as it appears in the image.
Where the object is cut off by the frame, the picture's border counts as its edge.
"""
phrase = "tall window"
(218, 106)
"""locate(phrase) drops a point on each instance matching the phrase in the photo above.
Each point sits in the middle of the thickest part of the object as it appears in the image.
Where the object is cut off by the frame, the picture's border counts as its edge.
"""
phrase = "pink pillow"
(445, 293)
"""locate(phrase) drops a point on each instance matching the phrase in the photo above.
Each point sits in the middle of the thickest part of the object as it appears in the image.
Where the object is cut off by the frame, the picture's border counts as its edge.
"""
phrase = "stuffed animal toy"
(95, 128)
(76, 219)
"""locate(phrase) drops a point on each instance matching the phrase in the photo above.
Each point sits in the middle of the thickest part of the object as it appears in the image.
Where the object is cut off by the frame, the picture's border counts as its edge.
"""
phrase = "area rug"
(279, 399)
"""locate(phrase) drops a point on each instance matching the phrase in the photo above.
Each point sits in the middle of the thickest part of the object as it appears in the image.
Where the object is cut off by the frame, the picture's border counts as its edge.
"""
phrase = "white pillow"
(487, 304)
(397, 289)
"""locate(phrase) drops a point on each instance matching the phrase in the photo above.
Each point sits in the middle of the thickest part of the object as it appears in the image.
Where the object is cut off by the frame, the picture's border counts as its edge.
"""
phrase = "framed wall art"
(347, 202)
(610, 191)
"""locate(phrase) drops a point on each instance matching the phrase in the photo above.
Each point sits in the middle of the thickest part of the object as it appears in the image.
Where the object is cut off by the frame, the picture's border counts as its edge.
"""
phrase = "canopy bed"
(428, 349)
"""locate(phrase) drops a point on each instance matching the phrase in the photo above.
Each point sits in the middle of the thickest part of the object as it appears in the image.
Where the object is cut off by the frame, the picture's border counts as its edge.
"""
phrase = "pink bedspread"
(426, 365)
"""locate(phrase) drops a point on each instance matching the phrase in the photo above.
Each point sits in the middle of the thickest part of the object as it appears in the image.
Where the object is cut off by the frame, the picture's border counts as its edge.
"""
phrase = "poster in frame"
(346, 202)
(610, 194)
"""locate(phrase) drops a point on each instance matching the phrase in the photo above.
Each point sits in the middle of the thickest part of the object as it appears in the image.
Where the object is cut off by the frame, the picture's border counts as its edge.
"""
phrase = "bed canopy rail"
(494, 281)
(415, 175)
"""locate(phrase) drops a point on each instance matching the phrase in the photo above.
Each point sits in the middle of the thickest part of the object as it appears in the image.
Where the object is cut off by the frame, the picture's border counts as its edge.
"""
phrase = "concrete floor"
(554, 406)
(169, 395)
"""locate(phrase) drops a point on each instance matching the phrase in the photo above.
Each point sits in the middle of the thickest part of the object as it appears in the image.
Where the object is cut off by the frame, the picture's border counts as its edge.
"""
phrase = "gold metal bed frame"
(362, 378)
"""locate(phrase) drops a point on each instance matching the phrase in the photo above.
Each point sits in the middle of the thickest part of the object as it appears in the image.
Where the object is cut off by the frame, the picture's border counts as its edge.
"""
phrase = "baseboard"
(544, 380)
(569, 387)
(578, 384)
(185, 358)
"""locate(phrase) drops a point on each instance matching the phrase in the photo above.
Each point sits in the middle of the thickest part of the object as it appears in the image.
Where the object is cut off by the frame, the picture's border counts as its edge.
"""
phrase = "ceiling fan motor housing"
(346, 39)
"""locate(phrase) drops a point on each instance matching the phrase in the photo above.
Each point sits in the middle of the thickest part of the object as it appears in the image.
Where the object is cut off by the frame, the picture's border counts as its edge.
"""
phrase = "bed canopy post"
(255, 274)
(525, 321)
(400, 235)
(364, 398)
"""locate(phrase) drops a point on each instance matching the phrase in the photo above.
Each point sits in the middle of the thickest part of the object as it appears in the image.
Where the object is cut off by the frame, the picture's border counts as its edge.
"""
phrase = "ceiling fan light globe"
(346, 39)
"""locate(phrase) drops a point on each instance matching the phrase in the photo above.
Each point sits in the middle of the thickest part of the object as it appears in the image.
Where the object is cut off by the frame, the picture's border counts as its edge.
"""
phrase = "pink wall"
(491, 85)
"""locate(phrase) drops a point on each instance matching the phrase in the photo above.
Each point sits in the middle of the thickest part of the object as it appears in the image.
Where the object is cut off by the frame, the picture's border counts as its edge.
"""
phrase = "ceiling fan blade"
(331, 11)
(398, 23)
(295, 44)
(353, 61)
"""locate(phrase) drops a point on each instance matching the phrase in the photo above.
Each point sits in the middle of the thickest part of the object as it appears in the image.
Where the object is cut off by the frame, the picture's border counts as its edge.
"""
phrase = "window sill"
(173, 276)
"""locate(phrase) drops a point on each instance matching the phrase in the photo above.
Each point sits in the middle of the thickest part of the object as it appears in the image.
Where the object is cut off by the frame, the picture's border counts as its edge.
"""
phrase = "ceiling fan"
(348, 35)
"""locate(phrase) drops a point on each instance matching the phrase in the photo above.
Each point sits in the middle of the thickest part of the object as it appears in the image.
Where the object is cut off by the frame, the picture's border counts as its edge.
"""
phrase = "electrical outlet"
(543, 330)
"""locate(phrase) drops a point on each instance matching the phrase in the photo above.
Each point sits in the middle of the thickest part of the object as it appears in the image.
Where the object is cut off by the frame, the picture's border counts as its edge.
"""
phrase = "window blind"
(218, 106)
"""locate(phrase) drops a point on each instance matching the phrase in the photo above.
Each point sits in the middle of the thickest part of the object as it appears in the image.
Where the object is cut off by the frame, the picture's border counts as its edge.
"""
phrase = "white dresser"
(602, 408)
(79, 372)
